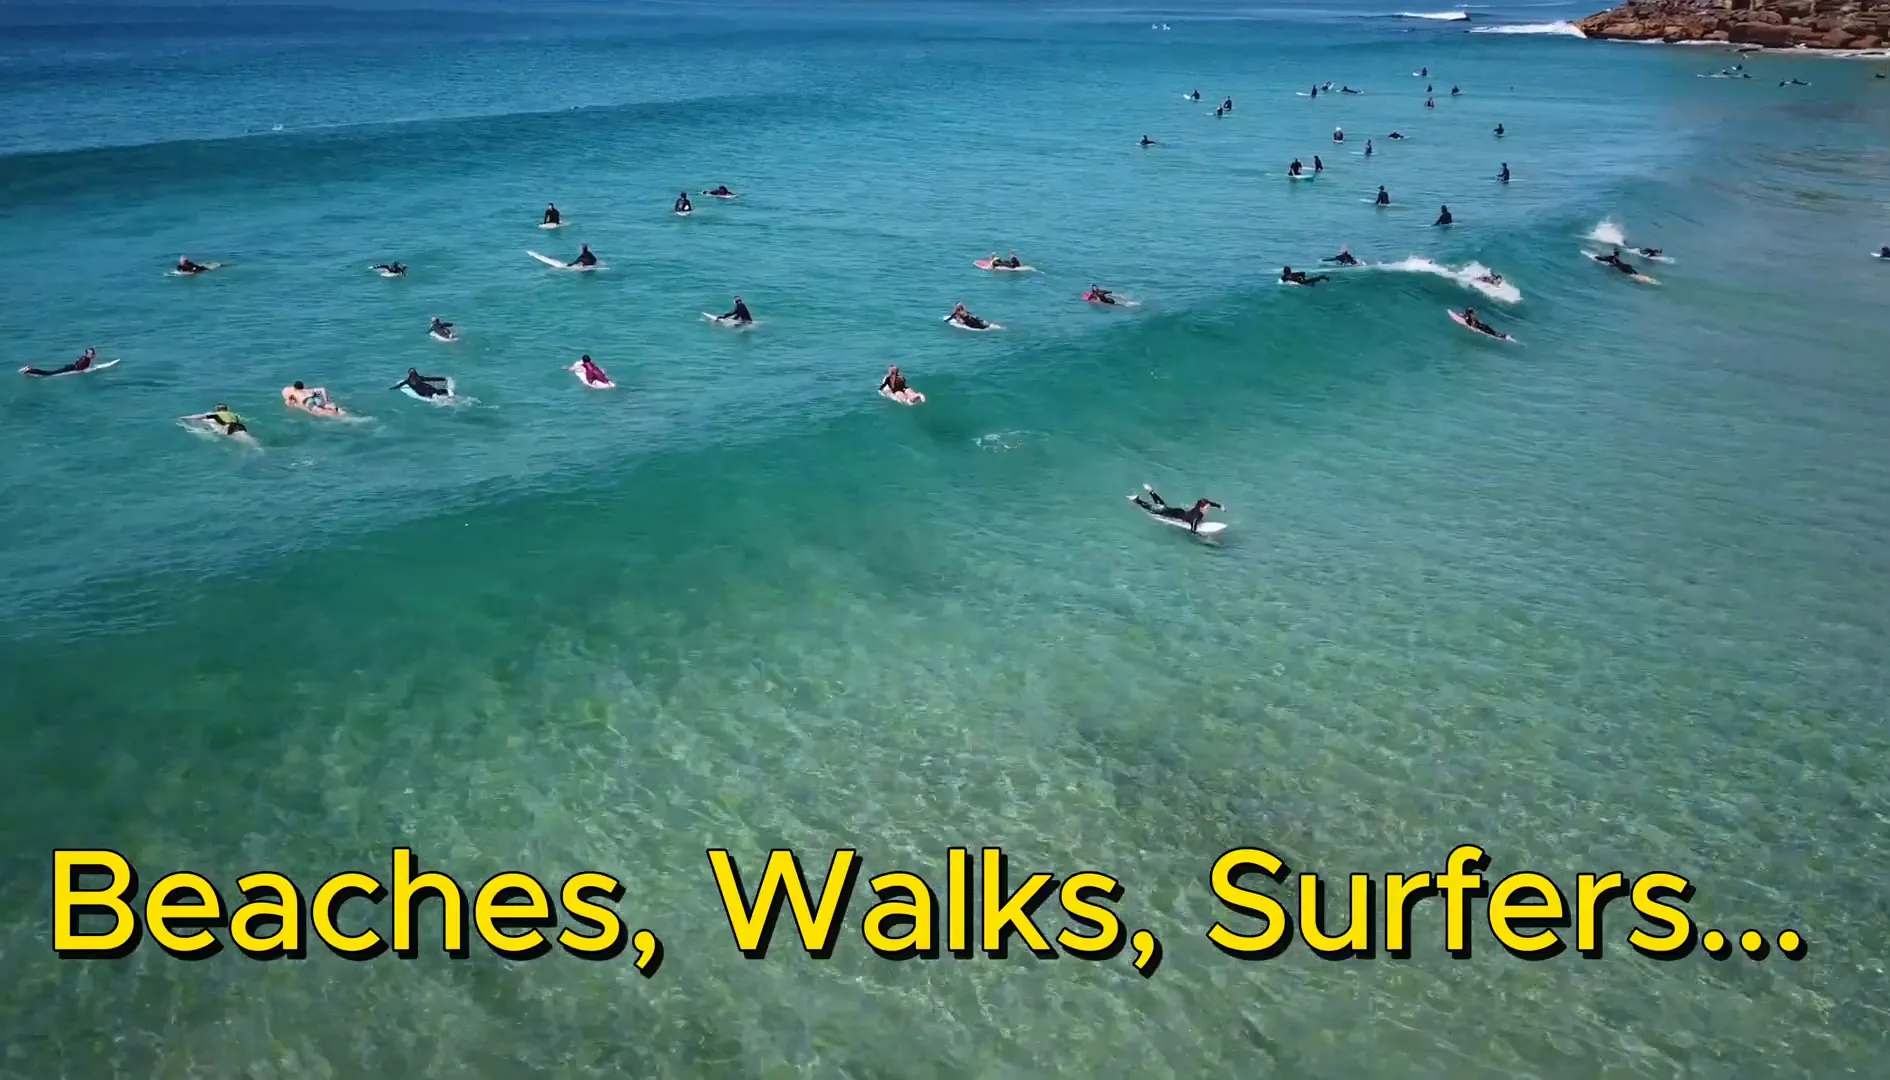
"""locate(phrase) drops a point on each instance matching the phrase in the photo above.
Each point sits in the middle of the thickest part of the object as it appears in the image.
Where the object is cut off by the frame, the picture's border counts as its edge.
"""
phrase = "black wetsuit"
(1650, 252)
(740, 314)
(1298, 277)
(1101, 296)
(76, 365)
(1617, 262)
(444, 329)
(1193, 515)
(422, 385)
(1343, 258)
(971, 321)
(1443, 218)
(551, 217)
(1475, 323)
(1504, 175)
(585, 259)
(893, 384)
(192, 268)
(683, 207)
(1384, 199)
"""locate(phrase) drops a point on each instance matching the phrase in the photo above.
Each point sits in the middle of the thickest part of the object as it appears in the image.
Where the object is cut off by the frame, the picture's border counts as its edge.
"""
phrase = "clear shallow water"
(1613, 599)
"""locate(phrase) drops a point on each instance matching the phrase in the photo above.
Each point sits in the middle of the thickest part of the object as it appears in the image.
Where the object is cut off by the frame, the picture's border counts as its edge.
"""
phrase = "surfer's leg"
(37, 371)
(1157, 498)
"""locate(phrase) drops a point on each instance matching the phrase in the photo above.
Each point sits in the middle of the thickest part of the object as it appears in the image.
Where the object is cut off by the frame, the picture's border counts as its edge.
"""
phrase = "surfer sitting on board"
(682, 203)
(585, 258)
(83, 362)
(1298, 277)
(1013, 262)
(965, 318)
(1652, 253)
(551, 214)
(421, 385)
(1499, 129)
(393, 268)
(1146, 141)
(1228, 104)
(1384, 197)
(185, 266)
(1295, 169)
(1317, 165)
(1196, 96)
(440, 329)
(720, 191)
(1884, 252)
(1443, 216)
(1193, 515)
(1343, 258)
(227, 421)
(1099, 296)
(739, 315)
(1504, 175)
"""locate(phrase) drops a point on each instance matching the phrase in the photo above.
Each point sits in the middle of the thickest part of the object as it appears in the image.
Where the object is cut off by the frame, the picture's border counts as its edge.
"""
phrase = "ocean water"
(1615, 597)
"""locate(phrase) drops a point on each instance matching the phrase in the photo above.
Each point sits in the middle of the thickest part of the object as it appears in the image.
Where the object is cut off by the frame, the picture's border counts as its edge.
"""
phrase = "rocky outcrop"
(1814, 24)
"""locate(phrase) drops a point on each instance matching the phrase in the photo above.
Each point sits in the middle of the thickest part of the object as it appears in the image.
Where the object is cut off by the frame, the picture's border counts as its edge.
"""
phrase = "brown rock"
(1717, 35)
(1868, 41)
(1837, 39)
(1762, 34)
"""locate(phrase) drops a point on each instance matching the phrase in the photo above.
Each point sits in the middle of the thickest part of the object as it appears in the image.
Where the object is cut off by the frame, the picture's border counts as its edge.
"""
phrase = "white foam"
(1465, 275)
(1608, 233)
(1554, 29)
(1440, 16)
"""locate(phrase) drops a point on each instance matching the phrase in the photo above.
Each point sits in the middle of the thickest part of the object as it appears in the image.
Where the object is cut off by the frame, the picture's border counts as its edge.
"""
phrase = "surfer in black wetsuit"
(1652, 253)
(1295, 169)
(1315, 92)
(721, 191)
(1317, 165)
(1443, 216)
(1430, 103)
(1228, 105)
(1499, 129)
(185, 266)
(682, 203)
(1099, 295)
(1146, 141)
(585, 258)
(1343, 258)
(441, 328)
(1384, 197)
(739, 315)
(83, 363)
(1193, 515)
(1290, 276)
(1504, 175)
(1454, 91)
(1394, 135)
(1196, 96)
(422, 385)
(392, 268)
(1884, 252)
(1615, 260)
(963, 317)
(1338, 134)
(1368, 148)
(1470, 319)
(1219, 112)
(551, 215)
(1349, 90)
(1424, 73)
(893, 383)
(1013, 262)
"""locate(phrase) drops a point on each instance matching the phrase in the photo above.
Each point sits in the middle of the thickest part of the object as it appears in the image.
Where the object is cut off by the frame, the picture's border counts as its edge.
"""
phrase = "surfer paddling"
(83, 363)
(894, 386)
(423, 385)
(1193, 515)
(312, 400)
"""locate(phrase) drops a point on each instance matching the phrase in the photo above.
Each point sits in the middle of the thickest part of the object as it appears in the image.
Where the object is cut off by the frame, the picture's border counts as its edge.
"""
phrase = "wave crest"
(1554, 29)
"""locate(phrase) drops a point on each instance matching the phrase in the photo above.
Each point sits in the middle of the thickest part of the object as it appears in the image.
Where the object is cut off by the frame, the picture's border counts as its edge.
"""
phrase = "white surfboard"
(730, 324)
(385, 272)
(986, 328)
(97, 365)
(1308, 175)
(451, 397)
(1879, 255)
(447, 338)
(1457, 317)
(911, 396)
(577, 369)
(553, 224)
(1206, 528)
(557, 264)
(685, 213)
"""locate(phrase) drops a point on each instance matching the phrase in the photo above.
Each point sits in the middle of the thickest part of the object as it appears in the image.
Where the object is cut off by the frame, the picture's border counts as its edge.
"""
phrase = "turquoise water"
(1611, 599)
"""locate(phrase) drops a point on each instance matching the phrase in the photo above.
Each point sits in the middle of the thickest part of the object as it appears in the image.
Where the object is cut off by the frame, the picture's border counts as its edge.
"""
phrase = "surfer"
(590, 371)
(1491, 278)
(1794, 82)
(1470, 320)
(1290, 276)
(1146, 141)
(1652, 253)
(1504, 175)
(1295, 168)
(310, 400)
(228, 423)
(1196, 96)
(1884, 252)
(1395, 135)
(1317, 165)
(422, 385)
(1384, 197)
(83, 363)
(1315, 92)
(1499, 131)
(894, 386)
(1099, 296)
(1013, 262)
(1430, 103)
(1338, 134)
(1219, 112)
(1443, 216)
(682, 203)
(1193, 515)
(441, 329)
(966, 319)
(1368, 148)
(185, 266)
(551, 215)
(720, 191)
(1424, 73)
(394, 269)
(1228, 105)
(1615, 260)
(739, 315)
(1343, 258)
(1454, 91)
(585, 258)
(1349, 90)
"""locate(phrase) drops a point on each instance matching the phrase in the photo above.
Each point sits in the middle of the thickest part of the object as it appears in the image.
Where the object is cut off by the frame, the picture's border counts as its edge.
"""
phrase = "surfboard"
(1457, 317)
(1655, 258)
(730, 195)
(1638, 277)
(1206, 528)
(207, 267)
(1879, 255)
(986, 328)
(450, 397)
(578, 370)
(557, 265)
(685, 213)
(553, 224)
(1302, 176)
(911, 396)
(97, 365)
(1121, 301)
(385, 272)
(730, 324)
(987, 264)
(437, 336)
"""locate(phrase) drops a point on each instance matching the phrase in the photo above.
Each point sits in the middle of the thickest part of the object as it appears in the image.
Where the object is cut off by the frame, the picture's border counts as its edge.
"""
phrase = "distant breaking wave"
(1554, 29)
(1439, 16)
(1466, 276)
